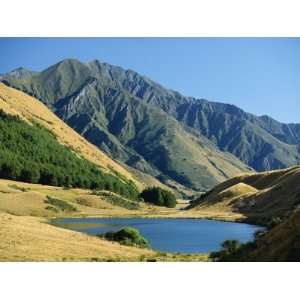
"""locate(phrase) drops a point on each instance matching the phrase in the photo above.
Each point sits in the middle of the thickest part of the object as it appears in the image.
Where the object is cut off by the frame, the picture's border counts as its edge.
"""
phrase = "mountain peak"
(20, 72)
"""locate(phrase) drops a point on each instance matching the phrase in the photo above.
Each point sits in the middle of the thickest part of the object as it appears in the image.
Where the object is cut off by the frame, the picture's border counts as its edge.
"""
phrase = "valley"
(86, 140)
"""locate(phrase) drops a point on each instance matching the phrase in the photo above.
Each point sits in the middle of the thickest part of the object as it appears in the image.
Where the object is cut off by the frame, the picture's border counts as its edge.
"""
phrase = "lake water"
(169, 235)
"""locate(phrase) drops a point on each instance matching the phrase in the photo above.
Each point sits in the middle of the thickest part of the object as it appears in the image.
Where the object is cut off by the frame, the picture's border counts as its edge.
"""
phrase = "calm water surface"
(170, 235)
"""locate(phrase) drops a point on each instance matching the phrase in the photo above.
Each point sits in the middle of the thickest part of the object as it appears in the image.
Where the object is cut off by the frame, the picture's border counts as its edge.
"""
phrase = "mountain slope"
(135, 132)
(260, 142)
(31, 110)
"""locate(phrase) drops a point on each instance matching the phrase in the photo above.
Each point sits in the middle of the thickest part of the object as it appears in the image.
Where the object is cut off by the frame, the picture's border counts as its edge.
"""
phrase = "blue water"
(170, 235)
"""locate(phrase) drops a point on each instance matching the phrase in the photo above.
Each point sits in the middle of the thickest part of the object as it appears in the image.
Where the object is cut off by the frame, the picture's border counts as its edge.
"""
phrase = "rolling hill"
(144, 136)
(281, 243)
(257, 198)
(268, 198)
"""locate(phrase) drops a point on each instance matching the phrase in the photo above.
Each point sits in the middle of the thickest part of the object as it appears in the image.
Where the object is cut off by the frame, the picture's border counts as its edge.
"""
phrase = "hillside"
(142, 135)
(26, 209)
(259, 198)
(282, 243)
(27, 238)
(31, 110)
(27, 199)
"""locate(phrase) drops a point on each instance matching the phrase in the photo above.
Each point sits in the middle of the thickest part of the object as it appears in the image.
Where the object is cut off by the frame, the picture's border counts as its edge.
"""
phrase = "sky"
(259, 75)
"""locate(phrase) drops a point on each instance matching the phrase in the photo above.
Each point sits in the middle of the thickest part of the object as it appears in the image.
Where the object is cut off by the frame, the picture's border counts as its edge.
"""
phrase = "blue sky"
(260, 75)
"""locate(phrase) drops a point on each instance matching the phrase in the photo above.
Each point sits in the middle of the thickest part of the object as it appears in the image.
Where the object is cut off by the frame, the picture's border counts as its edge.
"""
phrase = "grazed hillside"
(259, 198)
(135, 132)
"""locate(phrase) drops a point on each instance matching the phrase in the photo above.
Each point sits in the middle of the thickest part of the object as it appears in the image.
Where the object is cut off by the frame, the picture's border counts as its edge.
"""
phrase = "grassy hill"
(282, 243)
(257, 198)
(268, 198)
(32, 154)
(31, 110)
(25, 238)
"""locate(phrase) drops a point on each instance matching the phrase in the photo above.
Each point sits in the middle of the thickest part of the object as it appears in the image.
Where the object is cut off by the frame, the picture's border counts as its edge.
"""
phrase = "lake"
(169, 235)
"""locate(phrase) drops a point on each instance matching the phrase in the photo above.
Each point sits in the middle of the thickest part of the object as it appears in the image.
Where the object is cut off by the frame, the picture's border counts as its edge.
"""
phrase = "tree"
(159, 196)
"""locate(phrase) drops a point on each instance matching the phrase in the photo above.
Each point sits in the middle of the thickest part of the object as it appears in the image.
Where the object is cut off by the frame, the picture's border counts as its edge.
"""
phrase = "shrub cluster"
(158, 196)
(127, 236)
(31, 153)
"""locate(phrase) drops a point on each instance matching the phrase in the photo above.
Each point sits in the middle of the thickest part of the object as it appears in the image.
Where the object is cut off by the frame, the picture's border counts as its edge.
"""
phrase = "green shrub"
(127, 236)
(158, 196)
(233, 250)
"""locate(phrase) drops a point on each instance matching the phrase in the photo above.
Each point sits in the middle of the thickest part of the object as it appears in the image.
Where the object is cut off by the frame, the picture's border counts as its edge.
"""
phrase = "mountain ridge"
(111, 106)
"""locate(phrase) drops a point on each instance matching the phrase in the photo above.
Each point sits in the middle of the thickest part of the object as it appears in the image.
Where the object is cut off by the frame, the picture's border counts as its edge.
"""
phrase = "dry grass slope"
(258, 197)
(31, 239)
(30, 109)
(280, 242)
(25, 235)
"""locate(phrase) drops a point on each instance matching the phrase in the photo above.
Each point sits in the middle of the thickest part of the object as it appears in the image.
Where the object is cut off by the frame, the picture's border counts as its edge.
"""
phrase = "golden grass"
(278, 242)
(26, 238)
(258, 196)
(30, 109)
(25, 235)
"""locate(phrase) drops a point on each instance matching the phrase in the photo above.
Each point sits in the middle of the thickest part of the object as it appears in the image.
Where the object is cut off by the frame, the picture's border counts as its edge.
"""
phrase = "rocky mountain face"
(260, 142)
(159, 131)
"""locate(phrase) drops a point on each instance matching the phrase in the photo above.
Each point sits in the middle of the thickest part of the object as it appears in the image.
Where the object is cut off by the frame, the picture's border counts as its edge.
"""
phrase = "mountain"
(95, 101)
(36, 146)
(260, 142)
(258, 198)
(19, 73)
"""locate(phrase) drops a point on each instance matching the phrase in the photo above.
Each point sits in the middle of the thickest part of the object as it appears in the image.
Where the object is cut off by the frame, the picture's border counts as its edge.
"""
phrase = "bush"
(229, 247)
(233, 250)
(127, 236)
(158, 196)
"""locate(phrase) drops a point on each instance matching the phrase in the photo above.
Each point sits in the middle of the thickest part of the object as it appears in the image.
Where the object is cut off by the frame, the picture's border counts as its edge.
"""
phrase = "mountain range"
(184, 142)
